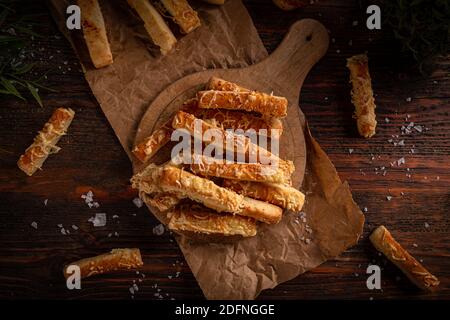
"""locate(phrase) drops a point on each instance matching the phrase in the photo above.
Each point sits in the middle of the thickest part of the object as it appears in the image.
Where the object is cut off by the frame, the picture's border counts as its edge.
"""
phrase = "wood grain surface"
(91, 158)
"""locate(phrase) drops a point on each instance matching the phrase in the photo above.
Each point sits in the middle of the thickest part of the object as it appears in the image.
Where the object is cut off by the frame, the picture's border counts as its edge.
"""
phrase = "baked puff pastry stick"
(198, 219)
(183, 14)
(236, 120)
(383, 241)
(362, 95)
(267, 105)
(46, 140)
(238, 144)
(258, 172)
(148, 147)
(214, 197)
(94, 32)
(117, 259)
(147, 182)
(155, 25)
(277, 194)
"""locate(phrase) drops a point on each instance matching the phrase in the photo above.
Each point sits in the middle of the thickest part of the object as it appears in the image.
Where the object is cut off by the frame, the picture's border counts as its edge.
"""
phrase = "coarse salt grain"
(34, 224)
(138, 202)
(99, 220)
(158, 230)
(389, 198)
(350, 151)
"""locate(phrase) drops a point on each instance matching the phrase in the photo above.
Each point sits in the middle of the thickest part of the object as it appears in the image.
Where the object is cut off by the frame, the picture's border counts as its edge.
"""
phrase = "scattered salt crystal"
(350, 151)
(401, 143)
(109, 235)
(401, 161)
(138, 202)
(45, 202)
(365, 209)
(115, 216)
(116, 234)
(170, 277)
(59, 225)
(74, 227)
(63, 231)
(389, 198)
(158, 230)
(427, 225)
(418, 128)
(135, 287)
(408, 99)
(131, 290)
(386, 120)
(34, 224)
(99, 220)
(415, 245)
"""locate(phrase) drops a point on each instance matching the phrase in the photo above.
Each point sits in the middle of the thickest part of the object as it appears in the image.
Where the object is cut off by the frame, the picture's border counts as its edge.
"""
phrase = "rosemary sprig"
(16, 29)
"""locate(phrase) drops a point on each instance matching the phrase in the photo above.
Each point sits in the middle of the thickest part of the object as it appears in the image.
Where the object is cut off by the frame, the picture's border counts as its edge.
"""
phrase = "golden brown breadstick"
(230, 119)
(277, 194)
(217, 198)
(383, 241)
(267, 105)
(117, 259)
(183, 14)
(207, 166)
(199, 189)
(46, 140)
(224, 85)
(261, 211)
(198, 219)
(145, 150)
(163, 201)
(239, 144)
(94, 32)
(155, 25)
(362, 95)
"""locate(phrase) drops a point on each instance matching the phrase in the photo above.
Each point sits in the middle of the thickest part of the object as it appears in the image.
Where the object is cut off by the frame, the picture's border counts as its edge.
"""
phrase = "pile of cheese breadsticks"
(151, 12)
(212, 197)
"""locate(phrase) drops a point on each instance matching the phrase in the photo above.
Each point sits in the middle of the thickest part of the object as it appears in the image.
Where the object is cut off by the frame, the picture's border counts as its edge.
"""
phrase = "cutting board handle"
(304, 44)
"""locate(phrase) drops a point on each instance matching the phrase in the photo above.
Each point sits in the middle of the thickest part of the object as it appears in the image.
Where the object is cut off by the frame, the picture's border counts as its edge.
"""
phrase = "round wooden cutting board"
(282, 73)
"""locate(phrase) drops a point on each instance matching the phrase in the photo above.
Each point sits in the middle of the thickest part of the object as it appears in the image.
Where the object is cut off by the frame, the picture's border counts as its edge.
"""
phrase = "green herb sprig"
(421, 26)
(16, 31)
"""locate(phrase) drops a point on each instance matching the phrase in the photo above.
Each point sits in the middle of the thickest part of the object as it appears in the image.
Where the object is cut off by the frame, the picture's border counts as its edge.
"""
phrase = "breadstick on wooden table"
(362, 95)
(117, 259)
(155, 25)
(240, 144)
(383, 241)
(94, 32)
(45, 142)
(207, 166)
(267, 105)
(215, 197)
(183, 14)
(280, 195)
(198, 219)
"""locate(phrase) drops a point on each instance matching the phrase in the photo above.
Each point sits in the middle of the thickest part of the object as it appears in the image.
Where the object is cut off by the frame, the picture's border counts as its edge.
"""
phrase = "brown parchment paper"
(227, 39)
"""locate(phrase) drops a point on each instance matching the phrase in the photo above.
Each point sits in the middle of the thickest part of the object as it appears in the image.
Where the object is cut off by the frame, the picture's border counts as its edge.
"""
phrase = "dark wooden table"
(31, 259)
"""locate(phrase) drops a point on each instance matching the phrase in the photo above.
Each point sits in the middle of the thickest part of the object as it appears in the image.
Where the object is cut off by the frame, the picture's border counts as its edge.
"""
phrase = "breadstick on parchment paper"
(155, 25)
(239, 143)
(150, 145)
(362, 95)
(207, 166)
(265, 104)
(280, 195)
(94, 32)
(383, 241)
(217, 198)
(183, 14)
(198, 219)
(236, 120)
(45, 142)
(117, 259)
